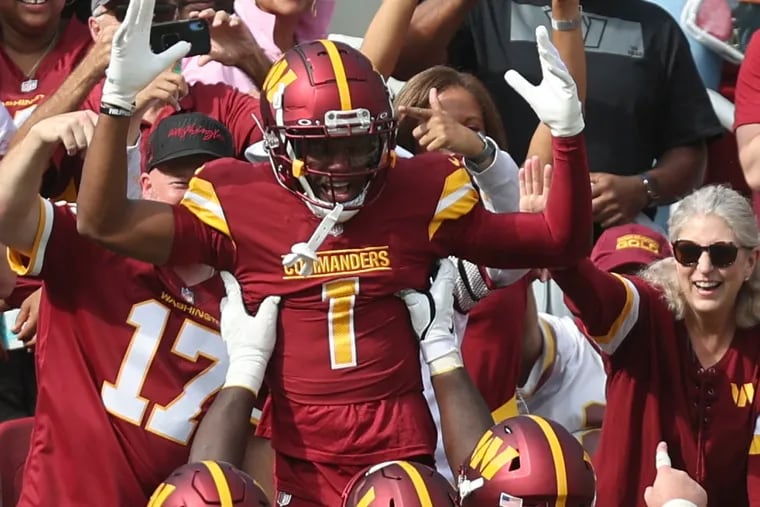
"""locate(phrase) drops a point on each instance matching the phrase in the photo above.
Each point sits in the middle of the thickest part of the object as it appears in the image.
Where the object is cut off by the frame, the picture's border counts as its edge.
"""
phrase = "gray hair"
(736, 211)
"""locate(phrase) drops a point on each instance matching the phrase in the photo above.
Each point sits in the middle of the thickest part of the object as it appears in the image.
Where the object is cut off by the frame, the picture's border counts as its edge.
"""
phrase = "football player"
(128, 354)
(336, 224)
(208, 483)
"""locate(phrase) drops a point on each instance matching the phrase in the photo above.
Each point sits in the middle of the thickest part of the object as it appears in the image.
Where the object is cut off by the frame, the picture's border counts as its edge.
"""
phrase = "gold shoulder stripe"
(225, 495)
(624, 313)
(458, 197)
(557, 456)
(340, 73)
(31, 265)
(202, 201)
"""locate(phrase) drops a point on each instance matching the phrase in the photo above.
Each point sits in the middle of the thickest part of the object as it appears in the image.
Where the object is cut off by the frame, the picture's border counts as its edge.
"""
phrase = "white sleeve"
(134, 169)
(498, 183)
(7, 129)
(567, 383)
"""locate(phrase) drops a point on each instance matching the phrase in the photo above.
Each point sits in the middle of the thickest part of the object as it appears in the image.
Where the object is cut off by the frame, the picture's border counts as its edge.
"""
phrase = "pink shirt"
(313, 25)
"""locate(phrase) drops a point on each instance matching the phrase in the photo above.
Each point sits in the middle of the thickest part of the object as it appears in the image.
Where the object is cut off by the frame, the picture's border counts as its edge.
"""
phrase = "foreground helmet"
(399, 484)
(208, 483)
(322, 98)
(529, 461)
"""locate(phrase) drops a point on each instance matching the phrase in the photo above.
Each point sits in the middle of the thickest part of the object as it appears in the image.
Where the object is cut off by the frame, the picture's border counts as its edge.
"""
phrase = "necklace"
(30, 83)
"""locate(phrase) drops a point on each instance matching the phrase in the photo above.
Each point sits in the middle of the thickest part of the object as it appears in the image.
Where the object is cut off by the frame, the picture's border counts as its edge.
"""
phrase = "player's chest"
(382, 256)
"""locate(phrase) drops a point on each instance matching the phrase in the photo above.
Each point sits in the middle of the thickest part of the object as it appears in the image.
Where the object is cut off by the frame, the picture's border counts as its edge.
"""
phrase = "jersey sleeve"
(753, 467)
(686, 115)
(241, 114)
(607, 303)
(747, 95)
(57, 247)
(7, 129)
(559, 236)
(201, 231)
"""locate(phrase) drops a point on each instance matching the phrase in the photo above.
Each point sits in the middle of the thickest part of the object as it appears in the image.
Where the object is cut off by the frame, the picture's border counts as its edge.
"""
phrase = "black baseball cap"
(188, 134)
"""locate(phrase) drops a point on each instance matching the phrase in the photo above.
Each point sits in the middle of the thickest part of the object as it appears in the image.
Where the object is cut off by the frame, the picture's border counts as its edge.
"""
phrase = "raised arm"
(568, 39)
(225, 429)
(433, 26)
(385, 36)
(22, 169)
(137, 228)
(464, 413)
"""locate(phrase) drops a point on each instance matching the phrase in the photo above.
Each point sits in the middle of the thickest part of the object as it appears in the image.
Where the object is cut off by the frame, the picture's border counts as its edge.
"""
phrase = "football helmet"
(208, 483)
(328, 123)
(399, 484)
(531, 462)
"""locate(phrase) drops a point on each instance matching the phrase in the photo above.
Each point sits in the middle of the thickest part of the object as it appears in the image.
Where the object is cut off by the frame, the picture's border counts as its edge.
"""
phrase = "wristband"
(567, 25)
(679, 502)
(115, 111)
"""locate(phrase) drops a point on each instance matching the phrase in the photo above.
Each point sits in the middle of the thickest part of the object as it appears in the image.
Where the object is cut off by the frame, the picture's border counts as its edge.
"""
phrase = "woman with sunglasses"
(682, 347)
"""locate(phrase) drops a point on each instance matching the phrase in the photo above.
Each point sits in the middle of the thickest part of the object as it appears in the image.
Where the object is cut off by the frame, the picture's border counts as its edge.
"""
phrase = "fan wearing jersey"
(344, 378)
(128, 354)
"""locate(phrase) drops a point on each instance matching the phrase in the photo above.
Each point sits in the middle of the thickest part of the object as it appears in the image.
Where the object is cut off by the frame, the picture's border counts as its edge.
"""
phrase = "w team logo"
(743, 395)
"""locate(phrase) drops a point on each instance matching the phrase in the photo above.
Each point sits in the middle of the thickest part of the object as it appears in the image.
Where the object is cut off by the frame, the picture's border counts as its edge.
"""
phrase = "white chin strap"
(306, 253)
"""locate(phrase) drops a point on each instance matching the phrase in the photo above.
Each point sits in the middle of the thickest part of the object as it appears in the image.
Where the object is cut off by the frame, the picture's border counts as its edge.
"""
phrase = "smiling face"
(31, 17)
(708, 289)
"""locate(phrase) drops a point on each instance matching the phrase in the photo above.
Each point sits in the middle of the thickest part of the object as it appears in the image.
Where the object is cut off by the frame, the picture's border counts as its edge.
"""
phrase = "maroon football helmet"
(328, 124)
(208, 483)
(399, 484)
(530, 460)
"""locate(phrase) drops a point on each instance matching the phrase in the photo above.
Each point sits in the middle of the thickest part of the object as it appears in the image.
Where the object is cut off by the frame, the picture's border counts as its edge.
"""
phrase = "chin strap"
(306, 253)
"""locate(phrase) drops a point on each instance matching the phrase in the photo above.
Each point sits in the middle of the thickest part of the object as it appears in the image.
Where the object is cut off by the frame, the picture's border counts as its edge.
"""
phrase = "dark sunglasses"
(161, 12)
(722, 254)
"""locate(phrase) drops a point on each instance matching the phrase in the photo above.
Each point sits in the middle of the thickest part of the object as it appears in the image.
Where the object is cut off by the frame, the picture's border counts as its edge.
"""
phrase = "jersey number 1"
(341, 295)
(176, 420)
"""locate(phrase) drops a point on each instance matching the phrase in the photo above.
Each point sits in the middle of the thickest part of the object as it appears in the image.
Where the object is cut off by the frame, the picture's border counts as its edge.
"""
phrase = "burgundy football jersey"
(345, 337)
(657, 390)
(128, 359)
(20, 100)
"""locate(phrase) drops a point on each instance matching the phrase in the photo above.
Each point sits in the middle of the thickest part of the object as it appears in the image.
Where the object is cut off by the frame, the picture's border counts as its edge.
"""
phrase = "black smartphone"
(194, 31)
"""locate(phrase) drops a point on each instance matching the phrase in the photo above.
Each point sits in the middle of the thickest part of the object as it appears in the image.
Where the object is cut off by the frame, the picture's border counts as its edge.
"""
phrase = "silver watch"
(481, 161)
(567, 25)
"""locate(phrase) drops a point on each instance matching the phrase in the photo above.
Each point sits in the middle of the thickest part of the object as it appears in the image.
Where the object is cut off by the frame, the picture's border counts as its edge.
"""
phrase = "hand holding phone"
(194, 31)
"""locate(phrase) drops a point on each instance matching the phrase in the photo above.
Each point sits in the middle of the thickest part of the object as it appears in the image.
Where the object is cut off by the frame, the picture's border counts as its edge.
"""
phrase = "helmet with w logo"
(399, 484)
(527, 461)
(208, 483)
(329, 127)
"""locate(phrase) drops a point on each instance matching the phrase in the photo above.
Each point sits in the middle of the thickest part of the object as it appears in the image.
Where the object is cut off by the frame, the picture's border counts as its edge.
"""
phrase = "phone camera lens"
(196, 26)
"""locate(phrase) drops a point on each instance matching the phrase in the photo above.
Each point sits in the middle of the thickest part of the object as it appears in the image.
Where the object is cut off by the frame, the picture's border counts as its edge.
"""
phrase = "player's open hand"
(133, 64)
(535, 182)
(249, 338)
(555, 100)
(671, 484)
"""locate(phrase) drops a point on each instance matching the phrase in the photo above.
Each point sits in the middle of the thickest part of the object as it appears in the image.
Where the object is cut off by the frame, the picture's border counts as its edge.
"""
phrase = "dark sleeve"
(686, 114)
(461, 50)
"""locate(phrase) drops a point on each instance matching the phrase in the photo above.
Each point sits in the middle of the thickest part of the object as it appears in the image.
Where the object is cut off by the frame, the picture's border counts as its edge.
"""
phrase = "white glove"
(555, 99)
(133, 65)
(249, 339)
(432, 315)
